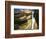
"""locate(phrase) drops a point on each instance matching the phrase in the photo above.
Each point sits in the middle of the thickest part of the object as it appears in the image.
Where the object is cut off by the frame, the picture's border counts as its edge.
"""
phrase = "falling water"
(33, 20)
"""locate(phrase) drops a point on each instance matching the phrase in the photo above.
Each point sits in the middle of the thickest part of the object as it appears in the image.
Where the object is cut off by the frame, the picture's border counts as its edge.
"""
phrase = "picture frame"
(11, 7)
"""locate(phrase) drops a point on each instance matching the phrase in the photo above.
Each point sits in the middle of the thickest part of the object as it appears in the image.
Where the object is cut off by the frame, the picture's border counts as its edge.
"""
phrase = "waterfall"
(33, 19)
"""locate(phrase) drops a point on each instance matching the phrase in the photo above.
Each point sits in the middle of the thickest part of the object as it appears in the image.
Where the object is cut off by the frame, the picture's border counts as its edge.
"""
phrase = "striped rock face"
(26, 14)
